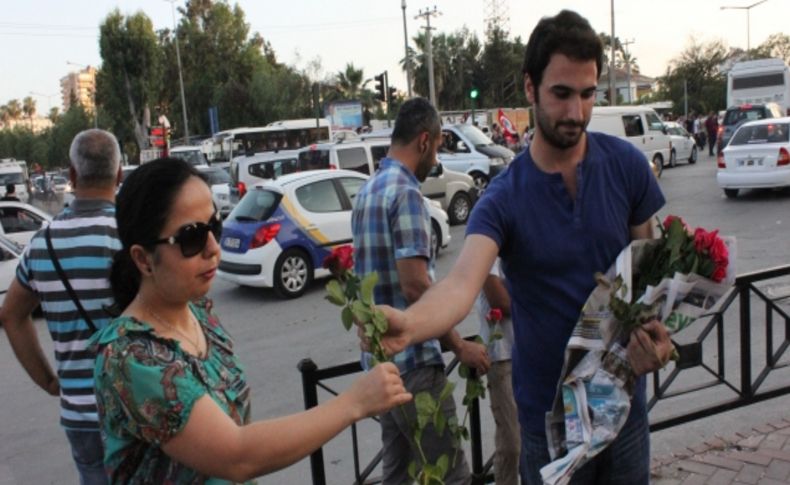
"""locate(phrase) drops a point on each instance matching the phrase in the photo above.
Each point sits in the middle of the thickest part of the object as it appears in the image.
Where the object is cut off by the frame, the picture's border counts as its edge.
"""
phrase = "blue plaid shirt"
(390, 222)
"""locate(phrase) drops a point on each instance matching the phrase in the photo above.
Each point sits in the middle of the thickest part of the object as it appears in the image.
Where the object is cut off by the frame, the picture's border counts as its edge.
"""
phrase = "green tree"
(131, 74)
(29, 108)
(698, 67)
(502, 61)
(776, 45)
(73, 121)
(14, 109)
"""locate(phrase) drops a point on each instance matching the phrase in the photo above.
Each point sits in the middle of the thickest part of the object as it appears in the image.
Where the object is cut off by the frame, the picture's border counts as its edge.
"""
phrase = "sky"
(38, 38)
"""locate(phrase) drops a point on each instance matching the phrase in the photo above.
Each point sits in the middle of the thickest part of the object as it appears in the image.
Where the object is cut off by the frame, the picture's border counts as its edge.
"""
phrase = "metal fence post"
(476, 438)
(746, 340)
(310, 392)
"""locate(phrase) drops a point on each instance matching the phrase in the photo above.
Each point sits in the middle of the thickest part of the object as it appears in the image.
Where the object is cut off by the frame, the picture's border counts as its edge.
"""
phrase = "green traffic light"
(473, 94)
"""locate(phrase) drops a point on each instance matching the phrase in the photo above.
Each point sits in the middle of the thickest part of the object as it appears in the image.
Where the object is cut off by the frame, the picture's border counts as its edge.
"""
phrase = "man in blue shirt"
(561, 211)
(391, 227)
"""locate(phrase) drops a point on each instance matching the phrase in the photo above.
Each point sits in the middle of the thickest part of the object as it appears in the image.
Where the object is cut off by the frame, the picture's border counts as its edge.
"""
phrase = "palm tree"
(29, 109)
(4, 116)
(14, 109)
(626, 60)
(351, 82)
(53, 114)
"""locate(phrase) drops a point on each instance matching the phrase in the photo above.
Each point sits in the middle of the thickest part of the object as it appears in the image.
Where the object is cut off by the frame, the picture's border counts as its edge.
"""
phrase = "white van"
(638, 125)
(468, 150)
(192, 154)
(14, 172)
(246, 171)
(455, 191)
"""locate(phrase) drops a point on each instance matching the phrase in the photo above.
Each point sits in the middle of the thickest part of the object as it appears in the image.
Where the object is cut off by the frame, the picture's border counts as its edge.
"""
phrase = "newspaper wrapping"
(594, 392)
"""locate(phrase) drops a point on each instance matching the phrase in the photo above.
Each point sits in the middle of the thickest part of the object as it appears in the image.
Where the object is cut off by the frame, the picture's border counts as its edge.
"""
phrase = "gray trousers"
(397, 437)
(507, 437)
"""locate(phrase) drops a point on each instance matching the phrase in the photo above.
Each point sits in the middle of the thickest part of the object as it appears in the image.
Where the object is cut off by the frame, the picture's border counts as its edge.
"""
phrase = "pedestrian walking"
(561, 211)
(712, 127)
(391, 229)
(66, 269)
(174, 403)
(507, 437)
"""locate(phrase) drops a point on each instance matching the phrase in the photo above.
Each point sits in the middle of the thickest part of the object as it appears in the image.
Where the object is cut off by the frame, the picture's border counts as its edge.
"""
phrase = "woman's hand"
(378, 391)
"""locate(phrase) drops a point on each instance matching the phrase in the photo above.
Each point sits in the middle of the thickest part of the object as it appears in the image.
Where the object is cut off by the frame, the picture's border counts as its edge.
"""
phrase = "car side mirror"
(461, 147)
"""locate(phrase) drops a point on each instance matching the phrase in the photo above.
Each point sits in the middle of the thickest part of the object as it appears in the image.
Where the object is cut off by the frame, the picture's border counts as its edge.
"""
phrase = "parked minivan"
(455, 191)
(246, 171)
(638, 125)
(468, 150)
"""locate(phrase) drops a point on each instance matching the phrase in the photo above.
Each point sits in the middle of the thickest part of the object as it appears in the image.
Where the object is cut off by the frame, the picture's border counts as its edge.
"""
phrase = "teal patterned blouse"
(146, 387)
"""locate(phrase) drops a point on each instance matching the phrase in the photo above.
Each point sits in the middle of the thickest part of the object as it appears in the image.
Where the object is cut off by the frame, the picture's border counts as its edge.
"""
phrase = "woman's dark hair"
(567, 33)
(415, 116)
(141, 210)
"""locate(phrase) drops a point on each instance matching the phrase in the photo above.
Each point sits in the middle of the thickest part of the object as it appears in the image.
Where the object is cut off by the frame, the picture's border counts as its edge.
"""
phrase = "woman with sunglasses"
(174, 405)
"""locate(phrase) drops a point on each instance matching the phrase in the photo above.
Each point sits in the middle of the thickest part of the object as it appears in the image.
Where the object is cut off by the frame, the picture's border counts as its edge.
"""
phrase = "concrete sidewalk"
(760, 455)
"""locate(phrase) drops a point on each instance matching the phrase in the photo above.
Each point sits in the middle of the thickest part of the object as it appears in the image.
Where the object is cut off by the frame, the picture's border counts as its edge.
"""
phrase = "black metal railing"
(666, 385)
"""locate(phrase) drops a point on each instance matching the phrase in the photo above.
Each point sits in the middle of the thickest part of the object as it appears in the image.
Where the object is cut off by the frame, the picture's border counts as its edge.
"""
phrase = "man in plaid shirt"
(391, 227)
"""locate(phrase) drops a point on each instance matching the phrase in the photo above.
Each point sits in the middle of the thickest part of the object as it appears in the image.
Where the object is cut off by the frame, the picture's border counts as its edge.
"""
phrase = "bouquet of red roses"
(676, 278)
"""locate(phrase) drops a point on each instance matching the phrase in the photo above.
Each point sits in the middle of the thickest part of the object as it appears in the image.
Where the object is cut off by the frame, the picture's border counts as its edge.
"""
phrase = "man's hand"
(53, 387)
(474, 356)
(396, 339)
(649, 348)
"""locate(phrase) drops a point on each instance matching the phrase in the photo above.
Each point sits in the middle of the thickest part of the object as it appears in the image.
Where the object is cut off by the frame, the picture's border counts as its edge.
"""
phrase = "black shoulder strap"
(65, 281)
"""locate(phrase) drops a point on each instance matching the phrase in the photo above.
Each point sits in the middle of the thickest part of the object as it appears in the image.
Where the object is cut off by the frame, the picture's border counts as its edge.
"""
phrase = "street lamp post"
(748, 22)
(48, 96)
(406, 45)
(180, 75)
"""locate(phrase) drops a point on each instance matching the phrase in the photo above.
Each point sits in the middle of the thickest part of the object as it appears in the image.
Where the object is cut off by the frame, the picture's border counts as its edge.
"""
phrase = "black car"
(737, 115)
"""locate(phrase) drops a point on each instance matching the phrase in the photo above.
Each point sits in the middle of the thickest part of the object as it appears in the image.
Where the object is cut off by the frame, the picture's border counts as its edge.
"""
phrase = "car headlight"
(497, 161)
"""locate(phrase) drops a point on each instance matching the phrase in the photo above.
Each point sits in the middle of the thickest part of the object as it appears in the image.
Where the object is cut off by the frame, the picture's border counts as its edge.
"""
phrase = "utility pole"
(612, 74)
(627, 60)
(427, 14)
(180, 75)
(406, 47)
(748, 9)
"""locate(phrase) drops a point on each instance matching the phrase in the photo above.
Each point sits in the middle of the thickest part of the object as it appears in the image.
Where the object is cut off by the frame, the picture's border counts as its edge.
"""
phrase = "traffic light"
(392, 93)
(380, 89)
(473, 93)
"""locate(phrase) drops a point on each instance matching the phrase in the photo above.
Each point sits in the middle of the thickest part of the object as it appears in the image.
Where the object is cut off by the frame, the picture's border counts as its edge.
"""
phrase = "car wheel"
(693, 156)
(459, 208)
(673, 158)
(293, 273)
(436, 239)
(481, 181)
(731, 193)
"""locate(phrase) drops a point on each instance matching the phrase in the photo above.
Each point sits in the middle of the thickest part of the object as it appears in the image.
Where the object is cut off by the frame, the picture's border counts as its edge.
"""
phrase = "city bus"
(224, 146)
(758, 82)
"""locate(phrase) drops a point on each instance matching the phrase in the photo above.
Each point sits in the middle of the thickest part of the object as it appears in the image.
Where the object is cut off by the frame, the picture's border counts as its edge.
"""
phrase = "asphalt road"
(272, 336)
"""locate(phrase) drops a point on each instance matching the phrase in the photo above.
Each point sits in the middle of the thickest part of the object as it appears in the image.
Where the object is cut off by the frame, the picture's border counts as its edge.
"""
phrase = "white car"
(19, 221)
(281, 230)
(682, 145)
(10, 252)
(191, 154)
(757, 156)
(225, 195)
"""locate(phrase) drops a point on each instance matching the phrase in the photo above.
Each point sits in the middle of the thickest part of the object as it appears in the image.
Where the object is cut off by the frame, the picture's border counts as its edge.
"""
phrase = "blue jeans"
(624, 462)
(88, 453)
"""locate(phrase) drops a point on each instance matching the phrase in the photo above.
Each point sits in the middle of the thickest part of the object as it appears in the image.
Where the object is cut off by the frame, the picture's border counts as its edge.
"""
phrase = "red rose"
(670, 218)
(339, 260)
(718, 252)
(719, 273)
(703, 240)
(495, 315)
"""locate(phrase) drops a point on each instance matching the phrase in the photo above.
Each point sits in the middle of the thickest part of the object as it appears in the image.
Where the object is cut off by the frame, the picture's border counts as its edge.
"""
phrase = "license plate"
(232, 242)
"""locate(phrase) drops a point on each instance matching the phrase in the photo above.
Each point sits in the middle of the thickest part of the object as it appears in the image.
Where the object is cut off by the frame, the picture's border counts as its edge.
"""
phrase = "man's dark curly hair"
(567, 33)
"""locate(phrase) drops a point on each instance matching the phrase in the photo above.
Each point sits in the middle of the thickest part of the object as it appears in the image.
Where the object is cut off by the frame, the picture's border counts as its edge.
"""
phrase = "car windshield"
(755, 134)
(217, 176)
(477, 137)
(735, 116)
(257, 205)
(193, 157)
(11, 178)
(675, 130)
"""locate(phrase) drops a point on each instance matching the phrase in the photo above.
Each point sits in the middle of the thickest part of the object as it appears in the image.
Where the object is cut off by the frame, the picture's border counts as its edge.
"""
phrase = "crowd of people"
(150, 387)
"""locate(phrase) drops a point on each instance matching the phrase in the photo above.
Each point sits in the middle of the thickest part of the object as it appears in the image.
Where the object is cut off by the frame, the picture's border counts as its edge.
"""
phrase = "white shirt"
(500, 349)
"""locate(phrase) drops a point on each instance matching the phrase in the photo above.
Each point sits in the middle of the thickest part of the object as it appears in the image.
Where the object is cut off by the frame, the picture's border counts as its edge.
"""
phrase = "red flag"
(507, 126)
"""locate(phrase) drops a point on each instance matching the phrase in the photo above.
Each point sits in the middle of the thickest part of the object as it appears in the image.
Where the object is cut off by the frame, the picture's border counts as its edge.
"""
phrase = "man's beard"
(424, 166)
(553, 135)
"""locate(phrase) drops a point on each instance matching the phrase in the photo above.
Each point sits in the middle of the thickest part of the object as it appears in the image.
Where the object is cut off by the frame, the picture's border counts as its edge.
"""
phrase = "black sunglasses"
(193, 237)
